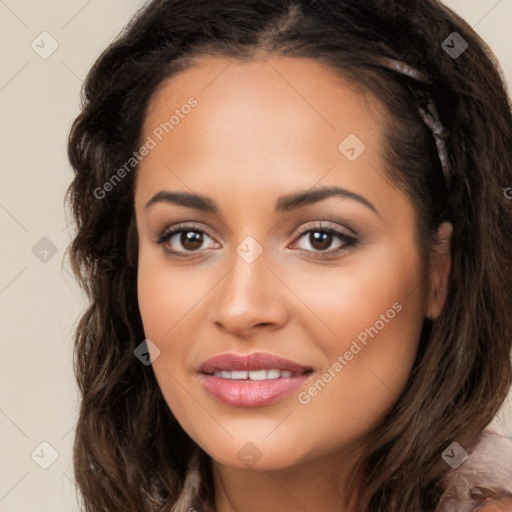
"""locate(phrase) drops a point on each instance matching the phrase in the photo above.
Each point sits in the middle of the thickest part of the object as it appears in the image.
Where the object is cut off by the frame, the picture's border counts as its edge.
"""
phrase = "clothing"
(487, 468)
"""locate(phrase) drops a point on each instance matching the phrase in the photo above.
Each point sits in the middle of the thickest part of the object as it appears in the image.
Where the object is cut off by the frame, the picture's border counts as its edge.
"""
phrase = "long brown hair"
(130, 453)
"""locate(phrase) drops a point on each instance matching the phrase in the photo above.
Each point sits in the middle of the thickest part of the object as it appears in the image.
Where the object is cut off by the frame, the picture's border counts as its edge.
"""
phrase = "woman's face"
(253, 270)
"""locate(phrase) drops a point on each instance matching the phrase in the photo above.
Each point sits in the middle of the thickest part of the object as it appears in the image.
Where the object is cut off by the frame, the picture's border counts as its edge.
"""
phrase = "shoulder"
(486, 472)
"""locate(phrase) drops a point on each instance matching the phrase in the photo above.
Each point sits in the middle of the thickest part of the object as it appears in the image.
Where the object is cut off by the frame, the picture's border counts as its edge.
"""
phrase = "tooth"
(253, 374)
(258, 374)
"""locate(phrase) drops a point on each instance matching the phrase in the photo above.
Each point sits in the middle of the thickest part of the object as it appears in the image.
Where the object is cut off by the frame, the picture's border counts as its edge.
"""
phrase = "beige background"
(40, 301)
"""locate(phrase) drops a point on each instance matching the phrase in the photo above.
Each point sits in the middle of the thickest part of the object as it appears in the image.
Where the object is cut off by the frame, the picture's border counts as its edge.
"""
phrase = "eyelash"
(348, 241)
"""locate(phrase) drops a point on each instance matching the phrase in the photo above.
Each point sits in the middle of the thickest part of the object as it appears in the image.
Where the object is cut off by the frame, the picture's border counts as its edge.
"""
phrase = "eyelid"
(321, 225)
(181, 226)
(347, 240)
(168, 232)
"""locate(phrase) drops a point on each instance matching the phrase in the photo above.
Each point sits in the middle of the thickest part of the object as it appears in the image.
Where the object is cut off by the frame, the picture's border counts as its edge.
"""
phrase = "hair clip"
(426, 108)
(431, 119)
(404, 69)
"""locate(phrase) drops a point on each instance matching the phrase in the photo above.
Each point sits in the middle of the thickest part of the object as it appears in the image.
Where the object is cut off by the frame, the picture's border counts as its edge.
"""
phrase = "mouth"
(257, 375)
(252, 366)
(250, 381)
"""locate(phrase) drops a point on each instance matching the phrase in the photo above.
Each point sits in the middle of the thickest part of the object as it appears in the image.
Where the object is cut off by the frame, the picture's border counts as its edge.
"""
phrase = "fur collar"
(487, 471)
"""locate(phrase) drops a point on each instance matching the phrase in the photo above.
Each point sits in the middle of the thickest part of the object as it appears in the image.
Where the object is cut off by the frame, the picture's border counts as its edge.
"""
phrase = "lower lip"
(251, 393)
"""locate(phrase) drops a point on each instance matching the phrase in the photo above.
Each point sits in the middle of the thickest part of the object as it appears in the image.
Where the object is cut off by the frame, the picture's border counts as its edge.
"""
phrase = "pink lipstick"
(251, 381)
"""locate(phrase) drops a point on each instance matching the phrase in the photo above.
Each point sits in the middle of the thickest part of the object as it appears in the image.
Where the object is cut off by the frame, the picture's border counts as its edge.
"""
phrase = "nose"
(249, 299)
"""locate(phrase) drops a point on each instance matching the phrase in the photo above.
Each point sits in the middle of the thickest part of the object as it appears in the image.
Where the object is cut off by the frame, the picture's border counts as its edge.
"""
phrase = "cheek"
(167, 294)
(166, 298)
(374, 316)
(380, 295)
(170, 300)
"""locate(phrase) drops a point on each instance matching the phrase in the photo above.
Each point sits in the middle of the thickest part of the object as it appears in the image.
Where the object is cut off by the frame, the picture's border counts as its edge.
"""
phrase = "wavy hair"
(130, 453)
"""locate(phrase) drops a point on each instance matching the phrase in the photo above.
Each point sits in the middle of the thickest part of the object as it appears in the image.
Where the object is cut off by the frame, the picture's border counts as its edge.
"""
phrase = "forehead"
(258, 123)
(300, 88)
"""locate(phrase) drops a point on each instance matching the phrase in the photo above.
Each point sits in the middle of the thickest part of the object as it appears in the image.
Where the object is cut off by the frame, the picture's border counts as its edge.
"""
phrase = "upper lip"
(257, 361)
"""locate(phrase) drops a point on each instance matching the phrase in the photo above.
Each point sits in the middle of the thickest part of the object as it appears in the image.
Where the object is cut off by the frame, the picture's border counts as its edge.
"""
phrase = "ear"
(440, 266)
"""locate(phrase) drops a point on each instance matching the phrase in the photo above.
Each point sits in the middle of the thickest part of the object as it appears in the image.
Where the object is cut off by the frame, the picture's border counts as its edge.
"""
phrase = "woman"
(293, 229)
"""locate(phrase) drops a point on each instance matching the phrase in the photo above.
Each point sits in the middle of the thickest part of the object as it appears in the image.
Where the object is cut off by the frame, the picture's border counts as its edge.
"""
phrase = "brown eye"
(183, 241)
(320, 240)
(191, 240)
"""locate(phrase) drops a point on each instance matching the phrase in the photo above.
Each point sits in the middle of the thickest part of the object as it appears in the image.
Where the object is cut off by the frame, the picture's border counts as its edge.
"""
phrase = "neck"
(313, 485)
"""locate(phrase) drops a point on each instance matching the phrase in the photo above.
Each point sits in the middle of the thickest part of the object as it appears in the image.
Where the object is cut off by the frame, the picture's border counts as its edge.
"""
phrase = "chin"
(256, 455)
(274, 462)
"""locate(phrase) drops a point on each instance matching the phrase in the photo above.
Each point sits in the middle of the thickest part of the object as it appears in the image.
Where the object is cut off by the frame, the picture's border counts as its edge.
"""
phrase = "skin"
(264, 129)
(500, 505)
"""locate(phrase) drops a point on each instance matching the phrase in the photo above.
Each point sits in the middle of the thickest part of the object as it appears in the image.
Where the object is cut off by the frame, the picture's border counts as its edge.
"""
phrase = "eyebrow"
(284, 203)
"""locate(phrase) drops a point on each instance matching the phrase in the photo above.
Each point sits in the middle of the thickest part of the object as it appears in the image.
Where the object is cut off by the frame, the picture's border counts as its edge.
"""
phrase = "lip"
(256, 361)
(247, 393)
